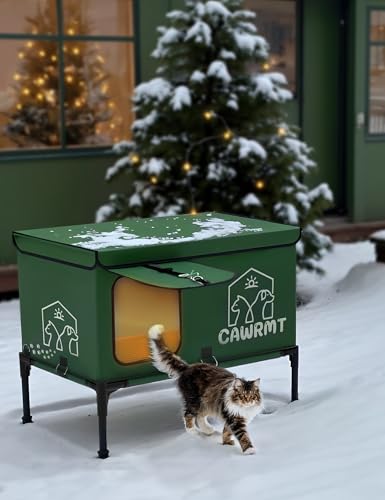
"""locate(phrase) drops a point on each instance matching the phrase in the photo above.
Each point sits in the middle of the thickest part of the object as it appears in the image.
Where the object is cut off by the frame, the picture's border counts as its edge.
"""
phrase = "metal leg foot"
(25, 370)
(294, 361)
(102, 403)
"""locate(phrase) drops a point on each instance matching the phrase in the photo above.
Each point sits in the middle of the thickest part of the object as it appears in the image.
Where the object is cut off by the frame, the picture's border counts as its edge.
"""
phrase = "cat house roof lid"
(136, 240)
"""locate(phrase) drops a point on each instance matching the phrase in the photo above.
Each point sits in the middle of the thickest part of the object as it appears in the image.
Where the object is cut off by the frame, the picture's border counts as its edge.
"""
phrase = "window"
(377, 73)
(67, 73)
(276, 21)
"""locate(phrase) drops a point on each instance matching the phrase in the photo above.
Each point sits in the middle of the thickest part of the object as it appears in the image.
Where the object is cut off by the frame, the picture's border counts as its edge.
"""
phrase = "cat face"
(246, 393)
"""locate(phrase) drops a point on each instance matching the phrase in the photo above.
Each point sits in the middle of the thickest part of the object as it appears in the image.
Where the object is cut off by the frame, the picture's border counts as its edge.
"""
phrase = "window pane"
(28, 16)
(377, 25)
(28, 94)
(377, 90)
(98, 17)
(99, 83)
(276, 21)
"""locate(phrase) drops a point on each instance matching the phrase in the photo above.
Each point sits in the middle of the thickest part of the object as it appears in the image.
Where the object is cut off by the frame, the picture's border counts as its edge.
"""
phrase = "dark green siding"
(322, 106)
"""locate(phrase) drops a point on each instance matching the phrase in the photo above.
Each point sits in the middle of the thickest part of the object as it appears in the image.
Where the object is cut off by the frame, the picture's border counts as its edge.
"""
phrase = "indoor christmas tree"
(36, 115)
(209, 135)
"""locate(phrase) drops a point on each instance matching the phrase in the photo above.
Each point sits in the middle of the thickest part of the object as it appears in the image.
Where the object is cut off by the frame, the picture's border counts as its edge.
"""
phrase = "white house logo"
(251, 308)
(60, 328)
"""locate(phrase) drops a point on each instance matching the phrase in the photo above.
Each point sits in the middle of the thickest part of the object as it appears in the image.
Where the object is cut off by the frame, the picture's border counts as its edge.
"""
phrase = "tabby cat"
(209, 391)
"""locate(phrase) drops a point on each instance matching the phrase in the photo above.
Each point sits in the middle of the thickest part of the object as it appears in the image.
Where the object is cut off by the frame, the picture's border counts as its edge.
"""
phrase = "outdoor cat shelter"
(223, 286)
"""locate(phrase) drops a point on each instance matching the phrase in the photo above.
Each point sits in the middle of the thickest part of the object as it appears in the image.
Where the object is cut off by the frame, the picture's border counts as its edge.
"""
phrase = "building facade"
(69, 68)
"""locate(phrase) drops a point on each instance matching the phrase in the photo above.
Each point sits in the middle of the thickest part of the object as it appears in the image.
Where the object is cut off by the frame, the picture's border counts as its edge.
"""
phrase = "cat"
(209, 390)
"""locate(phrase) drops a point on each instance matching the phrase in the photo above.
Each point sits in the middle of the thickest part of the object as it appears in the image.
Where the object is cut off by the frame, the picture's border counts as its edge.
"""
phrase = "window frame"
(63, 150)
(371, 136)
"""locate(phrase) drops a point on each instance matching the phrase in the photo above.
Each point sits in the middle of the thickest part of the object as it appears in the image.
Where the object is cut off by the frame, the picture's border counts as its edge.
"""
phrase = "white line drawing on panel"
(60, 325)
(250, 297)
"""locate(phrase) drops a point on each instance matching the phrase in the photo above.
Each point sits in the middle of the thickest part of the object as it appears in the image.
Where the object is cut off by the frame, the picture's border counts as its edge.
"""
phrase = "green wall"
(49, 192)
(323, 119)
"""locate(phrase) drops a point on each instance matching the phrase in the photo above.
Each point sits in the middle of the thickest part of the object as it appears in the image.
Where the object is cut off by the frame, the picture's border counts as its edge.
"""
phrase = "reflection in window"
(377, 73)
(276, 21)
(65, 90)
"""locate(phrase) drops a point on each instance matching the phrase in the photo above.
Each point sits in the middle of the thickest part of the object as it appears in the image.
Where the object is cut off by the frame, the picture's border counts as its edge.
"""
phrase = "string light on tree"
(135, 159)
(186, 166)
(282, 131)
(227, 135)
(154, 179)
(208, 115)
(260, 184)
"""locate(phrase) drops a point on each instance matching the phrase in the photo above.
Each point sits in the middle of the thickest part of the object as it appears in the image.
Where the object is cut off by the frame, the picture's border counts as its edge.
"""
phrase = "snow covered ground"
(330, 445)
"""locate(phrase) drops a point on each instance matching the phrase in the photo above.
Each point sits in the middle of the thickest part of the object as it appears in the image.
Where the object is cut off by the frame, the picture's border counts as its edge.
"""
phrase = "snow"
(156, 89)
(120, 237)
(218, 69)
(198, 76)
(200, 33)
(153, 166)
(269, 86)
(249, 147)
(323, 191)
(328, 445)
(249, 43)
(251, 200)
(180, 98)
(288, 212)
(378, 235)
(214, 8)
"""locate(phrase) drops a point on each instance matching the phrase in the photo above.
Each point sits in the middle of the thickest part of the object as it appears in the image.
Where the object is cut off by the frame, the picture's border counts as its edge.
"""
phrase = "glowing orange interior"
(137, 307)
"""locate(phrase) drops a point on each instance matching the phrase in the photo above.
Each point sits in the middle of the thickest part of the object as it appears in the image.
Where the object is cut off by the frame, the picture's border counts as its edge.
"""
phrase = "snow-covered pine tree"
(210, 135)
(36, 115)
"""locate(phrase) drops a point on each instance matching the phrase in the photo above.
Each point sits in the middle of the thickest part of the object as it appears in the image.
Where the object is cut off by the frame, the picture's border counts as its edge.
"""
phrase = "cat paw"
(230, 442)
(192, 430)
(249, 451)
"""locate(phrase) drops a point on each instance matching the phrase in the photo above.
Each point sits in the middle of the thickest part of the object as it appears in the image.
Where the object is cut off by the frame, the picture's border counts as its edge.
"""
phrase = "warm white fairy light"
(135, 159)
(282, 131)
(186, 166)
(227, 135)
(260, 184)
(154, 179)
(208, 115)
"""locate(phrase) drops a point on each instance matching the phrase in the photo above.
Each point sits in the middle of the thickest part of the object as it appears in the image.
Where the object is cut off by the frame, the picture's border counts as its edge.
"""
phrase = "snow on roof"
(121, 237)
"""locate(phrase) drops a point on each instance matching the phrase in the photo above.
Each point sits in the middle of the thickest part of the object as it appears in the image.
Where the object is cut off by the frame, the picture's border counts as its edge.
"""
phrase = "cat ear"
(257, 382)
(238, 384)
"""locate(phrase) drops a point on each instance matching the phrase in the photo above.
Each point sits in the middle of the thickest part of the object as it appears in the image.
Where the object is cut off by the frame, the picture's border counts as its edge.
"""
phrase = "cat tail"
(162, 358)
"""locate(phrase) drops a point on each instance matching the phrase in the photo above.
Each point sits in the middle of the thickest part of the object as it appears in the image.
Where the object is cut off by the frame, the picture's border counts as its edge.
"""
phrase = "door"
(366, 144)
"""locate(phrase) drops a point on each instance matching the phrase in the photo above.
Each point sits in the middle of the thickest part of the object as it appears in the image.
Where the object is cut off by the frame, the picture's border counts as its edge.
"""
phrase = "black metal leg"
(294, 361)
(25, 370)
(102, 403)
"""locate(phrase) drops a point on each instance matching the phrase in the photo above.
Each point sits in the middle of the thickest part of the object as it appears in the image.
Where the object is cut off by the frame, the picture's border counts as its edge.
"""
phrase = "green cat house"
(223, 286)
